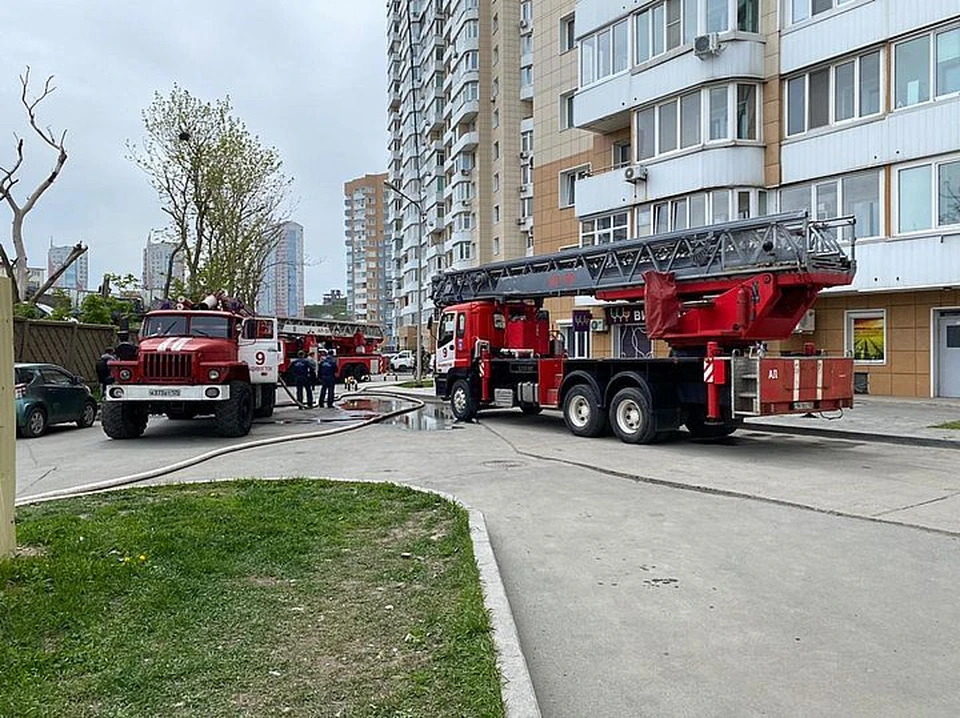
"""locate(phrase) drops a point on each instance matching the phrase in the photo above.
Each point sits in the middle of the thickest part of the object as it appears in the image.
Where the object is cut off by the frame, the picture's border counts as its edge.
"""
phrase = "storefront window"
(866, 336)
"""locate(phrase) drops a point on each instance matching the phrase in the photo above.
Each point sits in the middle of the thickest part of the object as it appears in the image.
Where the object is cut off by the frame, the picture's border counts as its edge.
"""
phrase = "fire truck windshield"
(185, 325)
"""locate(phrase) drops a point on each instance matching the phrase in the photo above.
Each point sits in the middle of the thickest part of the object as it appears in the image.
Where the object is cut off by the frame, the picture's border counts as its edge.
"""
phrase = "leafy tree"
(23, 310)
(222, 189)
(98, 309)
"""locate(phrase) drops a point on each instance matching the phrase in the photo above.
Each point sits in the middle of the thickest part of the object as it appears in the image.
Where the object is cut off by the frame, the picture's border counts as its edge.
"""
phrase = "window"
(698, 210)
(667, 122)
(568, 185)
(720, 202)
(865, 336)
(912, 73)
(495, 88)
(690, 119)
(948, 62)
(803, 9)
(646, 134)
(496, 151)
(496, 245)
(663, 27)
(746, 112)
(566, 111)
(717, 15)
(526, 44)
(606, 229)
(748, 15)
(496, 213)
(526, 76)
(526, 141)
(834, 94)
(604, 53)
(917, 202)
(55, 377)
(471, 29)
(621, 154)
(948, 191)
(719, 129)
(568, 34)
(857, 194)
(526, 207)
(496, 22)
(495, 119)
(496, 181)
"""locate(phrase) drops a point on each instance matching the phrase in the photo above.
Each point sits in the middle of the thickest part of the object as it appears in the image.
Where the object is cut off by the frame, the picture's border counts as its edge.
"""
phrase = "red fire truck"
(355, 345)
(714, 294)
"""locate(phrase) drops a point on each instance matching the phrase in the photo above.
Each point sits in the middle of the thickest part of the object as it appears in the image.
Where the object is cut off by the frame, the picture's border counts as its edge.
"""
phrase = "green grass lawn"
(947, 425)
(246, 598)
(412, 384)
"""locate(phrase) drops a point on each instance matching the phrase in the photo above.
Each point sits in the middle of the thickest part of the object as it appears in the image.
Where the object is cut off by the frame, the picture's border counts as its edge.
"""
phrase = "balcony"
(526, 92)
(467, 141)
(606, 105)
(922, 262)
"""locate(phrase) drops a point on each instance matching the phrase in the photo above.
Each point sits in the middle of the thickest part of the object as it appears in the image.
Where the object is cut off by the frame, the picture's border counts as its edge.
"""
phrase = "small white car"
(402, 361)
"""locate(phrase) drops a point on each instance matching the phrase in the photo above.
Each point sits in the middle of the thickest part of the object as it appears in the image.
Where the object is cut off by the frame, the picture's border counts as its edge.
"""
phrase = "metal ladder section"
(327, 327)
(745, 385)
(788, 242)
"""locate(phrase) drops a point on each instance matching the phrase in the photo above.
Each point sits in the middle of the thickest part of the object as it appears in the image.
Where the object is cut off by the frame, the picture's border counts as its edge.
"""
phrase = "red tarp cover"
(661, 306)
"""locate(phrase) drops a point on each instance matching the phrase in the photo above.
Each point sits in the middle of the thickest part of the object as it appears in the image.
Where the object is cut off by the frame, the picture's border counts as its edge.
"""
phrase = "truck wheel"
(631, 417)
(234, 416)
(361, 373)
(123, 420)
(582, 413)
(462, 403)
(268, 400)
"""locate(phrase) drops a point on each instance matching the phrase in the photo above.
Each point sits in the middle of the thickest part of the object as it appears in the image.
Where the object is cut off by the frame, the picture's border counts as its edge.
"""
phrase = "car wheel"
(36, 422)
(88, 415)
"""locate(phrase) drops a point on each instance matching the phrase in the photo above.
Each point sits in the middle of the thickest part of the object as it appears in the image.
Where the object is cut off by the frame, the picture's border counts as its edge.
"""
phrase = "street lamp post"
(418, 363)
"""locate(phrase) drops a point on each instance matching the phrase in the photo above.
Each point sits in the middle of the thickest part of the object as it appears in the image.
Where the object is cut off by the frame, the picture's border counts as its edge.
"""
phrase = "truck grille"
(167, 365)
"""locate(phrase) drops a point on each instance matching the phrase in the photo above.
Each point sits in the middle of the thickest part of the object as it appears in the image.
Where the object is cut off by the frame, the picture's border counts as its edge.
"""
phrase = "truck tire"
(631, 416)
(361, 373)
(268, 400)
(234, 416)
(123, 420)
(582, 413)
(462, 402)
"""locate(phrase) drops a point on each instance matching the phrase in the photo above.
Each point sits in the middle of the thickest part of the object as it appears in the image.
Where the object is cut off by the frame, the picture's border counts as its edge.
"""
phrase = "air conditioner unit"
(808, 324)
(465, 173)
(707, 45)
(521, 220)
(635, 173)
(598, 325)
(466, 202)
(524, 24)
(524, 155)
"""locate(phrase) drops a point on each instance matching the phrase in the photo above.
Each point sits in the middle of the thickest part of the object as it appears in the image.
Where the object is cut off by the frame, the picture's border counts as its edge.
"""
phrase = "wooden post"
(8, 423)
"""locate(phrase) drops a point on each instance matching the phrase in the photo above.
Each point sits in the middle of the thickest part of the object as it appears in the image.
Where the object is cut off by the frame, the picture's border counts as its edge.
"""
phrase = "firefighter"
(328, 377)
(103, 370)
(304, 377)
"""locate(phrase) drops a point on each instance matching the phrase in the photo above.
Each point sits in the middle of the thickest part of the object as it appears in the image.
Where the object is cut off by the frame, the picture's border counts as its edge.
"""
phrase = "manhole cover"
(503, 464)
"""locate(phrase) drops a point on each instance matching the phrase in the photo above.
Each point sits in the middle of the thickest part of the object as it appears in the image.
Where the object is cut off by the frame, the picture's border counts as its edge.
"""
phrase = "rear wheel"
(123, 420)
(36, 422)
(582, 413)
(88, 415)
(234, 416)
(361, 373)
(268, 400)
(462, 403)
(631, 416)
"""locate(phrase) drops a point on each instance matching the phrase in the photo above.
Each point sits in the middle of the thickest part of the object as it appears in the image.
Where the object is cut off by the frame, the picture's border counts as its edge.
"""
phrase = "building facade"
(460, 100)
(282, 291)
(658, 116)
(369, 252)
(75, 278)
(156, 264)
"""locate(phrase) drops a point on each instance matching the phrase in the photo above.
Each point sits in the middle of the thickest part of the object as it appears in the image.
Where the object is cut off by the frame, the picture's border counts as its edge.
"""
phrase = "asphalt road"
(758, 576)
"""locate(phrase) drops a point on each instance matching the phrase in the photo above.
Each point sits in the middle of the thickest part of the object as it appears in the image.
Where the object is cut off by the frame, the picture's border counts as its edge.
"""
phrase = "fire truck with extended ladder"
(192, 362)
(714, 294)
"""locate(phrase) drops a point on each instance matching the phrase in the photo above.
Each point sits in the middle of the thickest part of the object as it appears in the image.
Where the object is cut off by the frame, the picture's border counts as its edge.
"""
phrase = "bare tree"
(17, 271)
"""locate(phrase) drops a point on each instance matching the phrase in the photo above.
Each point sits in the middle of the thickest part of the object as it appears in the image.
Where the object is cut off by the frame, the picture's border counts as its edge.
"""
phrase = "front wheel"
(582, 413)
(462, 403)
(631, 416)
(123, 420)
(88, 415)
(234, 416)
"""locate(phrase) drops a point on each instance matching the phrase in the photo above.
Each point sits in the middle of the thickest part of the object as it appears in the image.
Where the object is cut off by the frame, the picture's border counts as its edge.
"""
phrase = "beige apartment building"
(460, 117)
(369, 252)
(657, 116)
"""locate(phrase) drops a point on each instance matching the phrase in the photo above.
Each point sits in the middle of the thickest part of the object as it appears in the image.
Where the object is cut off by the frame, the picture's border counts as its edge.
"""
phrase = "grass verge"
(947, 425)
(413, 384)
(246, 598)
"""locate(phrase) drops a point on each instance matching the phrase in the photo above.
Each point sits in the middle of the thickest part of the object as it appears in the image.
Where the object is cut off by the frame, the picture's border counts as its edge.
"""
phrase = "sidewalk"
(877, 418)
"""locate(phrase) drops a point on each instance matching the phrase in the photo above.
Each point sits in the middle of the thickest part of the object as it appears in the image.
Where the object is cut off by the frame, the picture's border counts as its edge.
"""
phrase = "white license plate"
(164, 392)
(803, 405)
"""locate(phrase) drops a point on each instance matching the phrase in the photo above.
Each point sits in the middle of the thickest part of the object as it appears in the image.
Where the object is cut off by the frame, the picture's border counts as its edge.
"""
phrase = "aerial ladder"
(355, 345)
(714, 294)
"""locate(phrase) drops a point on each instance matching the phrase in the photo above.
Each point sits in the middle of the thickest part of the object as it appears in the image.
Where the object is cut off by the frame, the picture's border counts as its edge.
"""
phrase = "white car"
(402, 361)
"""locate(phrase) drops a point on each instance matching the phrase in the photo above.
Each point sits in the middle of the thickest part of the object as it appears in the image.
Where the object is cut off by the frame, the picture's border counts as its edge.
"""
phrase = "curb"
(855, 435)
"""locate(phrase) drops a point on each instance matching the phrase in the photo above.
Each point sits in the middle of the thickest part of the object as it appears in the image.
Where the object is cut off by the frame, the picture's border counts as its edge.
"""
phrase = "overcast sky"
(307, 76)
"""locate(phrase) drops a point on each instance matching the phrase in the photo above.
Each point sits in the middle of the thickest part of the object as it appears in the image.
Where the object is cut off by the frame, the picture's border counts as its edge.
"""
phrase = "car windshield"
(184, 325)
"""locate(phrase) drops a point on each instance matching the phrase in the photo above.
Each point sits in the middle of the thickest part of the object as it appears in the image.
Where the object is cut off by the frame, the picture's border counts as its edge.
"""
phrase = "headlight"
(125, 374)
(214, 374)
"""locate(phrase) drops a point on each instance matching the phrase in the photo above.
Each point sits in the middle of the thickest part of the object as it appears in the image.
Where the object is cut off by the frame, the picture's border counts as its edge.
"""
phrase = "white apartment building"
(369, 253)
(156, 264)
(460, 96)
(75, 278)
(739, 108)
(281, 293)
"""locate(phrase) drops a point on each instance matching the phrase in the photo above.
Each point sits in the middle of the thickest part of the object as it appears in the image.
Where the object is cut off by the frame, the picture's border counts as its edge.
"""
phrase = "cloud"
(308, 77)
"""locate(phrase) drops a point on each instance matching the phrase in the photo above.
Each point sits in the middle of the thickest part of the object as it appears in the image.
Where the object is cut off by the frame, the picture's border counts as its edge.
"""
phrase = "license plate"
(164, 392)
(803, 405)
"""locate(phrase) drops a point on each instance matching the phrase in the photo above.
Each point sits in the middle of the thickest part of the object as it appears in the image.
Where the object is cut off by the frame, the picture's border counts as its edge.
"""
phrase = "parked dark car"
(48, 394)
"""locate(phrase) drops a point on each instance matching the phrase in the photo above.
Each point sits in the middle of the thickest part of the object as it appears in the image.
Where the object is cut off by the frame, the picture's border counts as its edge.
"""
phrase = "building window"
(526, 141)
(948, 62)
(568, 33)
(665, 26)
(526, 44)
(717, 15)
(603, 230)
(803, 9)
(719, 124)
(621, 154)
(496, 181)
(526, 76)
(748, 15)
(746, 112)
(496, 246)
(471, 29)
(496, 22)
(495, 121)
(526, 207)
(496, 151)
(855, 194)
(865, 336)
(577, 344)
(919, 206)
(568, 184)
(927, 66)
(496, 213)
(834, 94)
(604, 53)
(566, 110)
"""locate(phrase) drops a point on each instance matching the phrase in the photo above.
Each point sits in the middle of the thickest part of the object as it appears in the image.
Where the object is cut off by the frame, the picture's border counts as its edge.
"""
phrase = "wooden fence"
(75, 347)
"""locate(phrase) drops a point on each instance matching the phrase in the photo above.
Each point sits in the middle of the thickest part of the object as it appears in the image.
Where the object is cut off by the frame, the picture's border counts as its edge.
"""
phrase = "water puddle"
(432, 417)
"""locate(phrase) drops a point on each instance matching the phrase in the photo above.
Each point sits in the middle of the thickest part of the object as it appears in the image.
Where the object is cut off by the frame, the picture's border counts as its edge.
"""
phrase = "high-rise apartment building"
(657, 116)
(156, 264)
(460, 100)
(74, 279)
(369, 252)
(282, 291)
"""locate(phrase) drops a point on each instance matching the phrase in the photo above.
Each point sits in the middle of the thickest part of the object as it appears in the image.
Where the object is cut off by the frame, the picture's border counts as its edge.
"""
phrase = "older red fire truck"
(194, 362)
(714, 294)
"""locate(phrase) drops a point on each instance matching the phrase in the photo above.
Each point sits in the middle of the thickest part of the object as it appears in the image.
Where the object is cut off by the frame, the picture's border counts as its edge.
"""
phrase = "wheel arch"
(626, 379)
(577, 378)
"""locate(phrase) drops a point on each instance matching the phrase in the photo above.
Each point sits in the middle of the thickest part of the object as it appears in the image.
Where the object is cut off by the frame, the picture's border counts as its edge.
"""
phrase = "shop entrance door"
(948, 354)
